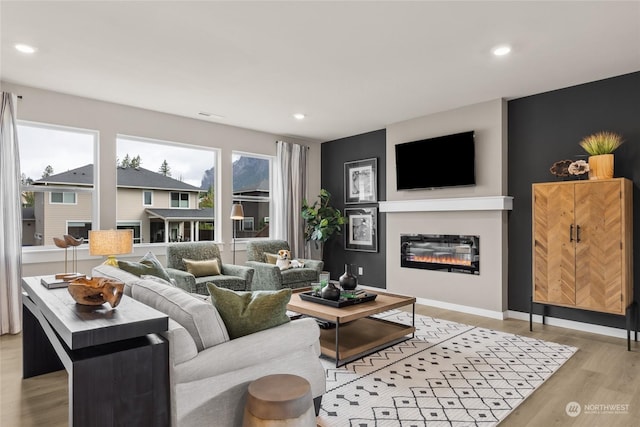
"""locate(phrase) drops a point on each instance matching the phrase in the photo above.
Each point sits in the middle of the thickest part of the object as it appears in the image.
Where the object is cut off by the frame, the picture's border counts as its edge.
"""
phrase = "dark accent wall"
(334, 155)
(546, 128)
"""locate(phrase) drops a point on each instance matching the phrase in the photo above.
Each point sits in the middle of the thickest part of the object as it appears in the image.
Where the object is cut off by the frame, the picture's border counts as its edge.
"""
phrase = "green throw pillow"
(148, 264)
(244, 313)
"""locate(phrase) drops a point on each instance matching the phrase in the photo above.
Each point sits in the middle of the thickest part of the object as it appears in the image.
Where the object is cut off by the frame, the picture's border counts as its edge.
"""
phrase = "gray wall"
(546, 128)
(334, 155)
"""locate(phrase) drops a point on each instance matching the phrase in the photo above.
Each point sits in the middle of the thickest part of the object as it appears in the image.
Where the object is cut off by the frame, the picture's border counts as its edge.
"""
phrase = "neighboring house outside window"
(55, 200)
(252, 188)
(175, 183)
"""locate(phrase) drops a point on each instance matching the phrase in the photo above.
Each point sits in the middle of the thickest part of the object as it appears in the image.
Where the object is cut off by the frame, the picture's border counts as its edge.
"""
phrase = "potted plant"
(600, 147)
(321, 220)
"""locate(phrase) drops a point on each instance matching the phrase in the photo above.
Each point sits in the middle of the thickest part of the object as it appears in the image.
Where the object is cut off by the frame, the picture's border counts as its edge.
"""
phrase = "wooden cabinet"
(582, 244)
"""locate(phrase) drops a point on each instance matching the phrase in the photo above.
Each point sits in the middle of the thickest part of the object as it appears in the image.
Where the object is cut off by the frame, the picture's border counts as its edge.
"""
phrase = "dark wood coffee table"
(357, 334)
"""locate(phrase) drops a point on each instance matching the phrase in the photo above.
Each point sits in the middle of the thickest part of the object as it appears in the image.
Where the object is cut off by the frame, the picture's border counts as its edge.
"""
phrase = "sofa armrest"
(184, 280)
(239, 271)
(314, 264)
(251, 350)
(265, 276)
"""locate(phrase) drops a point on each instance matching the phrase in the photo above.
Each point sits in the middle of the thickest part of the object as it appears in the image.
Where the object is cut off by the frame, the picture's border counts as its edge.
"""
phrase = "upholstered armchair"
(198, 269)
(269, 277)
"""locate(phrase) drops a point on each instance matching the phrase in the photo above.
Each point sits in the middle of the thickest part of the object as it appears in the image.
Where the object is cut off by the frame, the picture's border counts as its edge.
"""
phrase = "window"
(57, 184)
(247, 224)
(65, 198)
(132, 225)
(147, 198)
(79, 229)
(252, 188)
(179, 200)
(177, 185)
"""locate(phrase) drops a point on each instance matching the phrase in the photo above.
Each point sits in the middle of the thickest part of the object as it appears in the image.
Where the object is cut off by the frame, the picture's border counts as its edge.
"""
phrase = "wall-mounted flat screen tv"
(444, 161)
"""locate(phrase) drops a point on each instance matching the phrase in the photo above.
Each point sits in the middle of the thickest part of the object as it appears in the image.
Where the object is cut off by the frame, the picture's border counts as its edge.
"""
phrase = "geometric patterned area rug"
(449, 374)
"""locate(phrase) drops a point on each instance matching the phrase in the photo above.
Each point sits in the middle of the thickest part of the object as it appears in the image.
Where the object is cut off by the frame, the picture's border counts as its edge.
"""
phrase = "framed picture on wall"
(362, 229)
(361, 181)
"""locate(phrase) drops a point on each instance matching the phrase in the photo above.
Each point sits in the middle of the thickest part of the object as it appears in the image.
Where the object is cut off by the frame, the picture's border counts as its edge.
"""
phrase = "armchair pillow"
(244, 313)
(270, 258)
(202, 268)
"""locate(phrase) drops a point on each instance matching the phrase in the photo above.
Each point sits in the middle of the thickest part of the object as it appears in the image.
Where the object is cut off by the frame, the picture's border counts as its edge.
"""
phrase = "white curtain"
(10, 220)
(289, 189)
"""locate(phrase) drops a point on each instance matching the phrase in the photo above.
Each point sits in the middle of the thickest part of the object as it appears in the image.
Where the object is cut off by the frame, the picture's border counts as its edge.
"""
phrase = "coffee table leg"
(337, 343)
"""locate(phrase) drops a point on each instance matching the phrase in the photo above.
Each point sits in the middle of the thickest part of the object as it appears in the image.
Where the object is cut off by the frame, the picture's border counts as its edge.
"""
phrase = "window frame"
(95, 200)
(75, 198)
(217, 212)
(150, 196)
(234, 199)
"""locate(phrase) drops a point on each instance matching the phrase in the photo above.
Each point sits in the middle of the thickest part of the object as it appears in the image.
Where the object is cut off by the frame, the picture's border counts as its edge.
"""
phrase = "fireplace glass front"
(444, 252)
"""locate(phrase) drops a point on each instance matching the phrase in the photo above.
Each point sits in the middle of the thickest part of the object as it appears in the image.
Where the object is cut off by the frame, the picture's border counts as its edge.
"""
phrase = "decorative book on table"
(50, 282)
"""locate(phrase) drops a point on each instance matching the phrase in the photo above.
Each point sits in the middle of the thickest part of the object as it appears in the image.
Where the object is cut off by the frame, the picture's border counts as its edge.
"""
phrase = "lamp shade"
(110, 242)
(236, 211)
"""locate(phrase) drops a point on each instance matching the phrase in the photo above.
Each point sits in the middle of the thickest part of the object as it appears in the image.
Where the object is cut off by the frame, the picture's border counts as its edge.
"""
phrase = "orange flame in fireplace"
(440, 260)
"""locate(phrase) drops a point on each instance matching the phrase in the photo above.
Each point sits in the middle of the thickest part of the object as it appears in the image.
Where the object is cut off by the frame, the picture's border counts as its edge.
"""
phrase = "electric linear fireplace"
(444, 252)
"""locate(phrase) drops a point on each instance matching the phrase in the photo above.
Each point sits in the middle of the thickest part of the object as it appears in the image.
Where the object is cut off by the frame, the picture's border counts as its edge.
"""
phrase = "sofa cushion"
(209, 267)
(270, 258)
(247, 312)
(148, 264)
(158, 280)
(198, 317)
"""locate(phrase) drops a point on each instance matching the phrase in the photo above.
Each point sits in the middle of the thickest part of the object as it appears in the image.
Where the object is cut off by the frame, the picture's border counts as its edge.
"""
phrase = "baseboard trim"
(570, 324)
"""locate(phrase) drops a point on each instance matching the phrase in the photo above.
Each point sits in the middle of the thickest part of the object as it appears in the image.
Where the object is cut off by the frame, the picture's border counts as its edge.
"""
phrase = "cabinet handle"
(577, 234)
(571, 233)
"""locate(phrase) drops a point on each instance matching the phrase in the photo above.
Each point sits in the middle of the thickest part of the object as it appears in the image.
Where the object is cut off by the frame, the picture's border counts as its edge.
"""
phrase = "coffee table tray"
(342, 302)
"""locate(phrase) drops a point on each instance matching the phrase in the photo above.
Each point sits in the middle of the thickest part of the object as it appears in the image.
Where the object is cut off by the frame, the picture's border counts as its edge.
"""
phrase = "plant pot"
(601, 166)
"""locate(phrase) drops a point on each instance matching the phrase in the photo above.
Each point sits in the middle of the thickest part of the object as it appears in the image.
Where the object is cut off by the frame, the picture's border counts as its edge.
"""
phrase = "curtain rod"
(302, 145)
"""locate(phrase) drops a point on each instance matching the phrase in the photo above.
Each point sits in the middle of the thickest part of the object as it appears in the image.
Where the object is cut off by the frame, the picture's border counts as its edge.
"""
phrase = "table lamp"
(110, 243)
(237, 214)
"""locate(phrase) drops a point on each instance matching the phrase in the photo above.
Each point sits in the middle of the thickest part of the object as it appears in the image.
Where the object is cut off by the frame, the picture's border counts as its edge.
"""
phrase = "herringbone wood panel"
(599, 252)
(554, 254)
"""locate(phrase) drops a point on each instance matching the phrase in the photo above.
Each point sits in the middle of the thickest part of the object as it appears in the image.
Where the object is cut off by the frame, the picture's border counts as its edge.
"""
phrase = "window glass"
(68, 198)
(176, 184)
(147, 198)
(252, 188)
(57, 184)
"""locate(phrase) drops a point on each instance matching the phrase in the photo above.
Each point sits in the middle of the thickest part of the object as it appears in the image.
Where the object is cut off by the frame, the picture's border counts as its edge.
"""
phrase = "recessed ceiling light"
(299, 116)
(25, 48)
(501, 50)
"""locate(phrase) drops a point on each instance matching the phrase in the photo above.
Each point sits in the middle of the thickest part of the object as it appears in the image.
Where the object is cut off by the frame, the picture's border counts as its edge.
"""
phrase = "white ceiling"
(351, 67)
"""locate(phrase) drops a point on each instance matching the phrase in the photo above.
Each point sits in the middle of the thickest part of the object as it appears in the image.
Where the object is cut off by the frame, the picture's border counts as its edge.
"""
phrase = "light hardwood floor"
(601, 372)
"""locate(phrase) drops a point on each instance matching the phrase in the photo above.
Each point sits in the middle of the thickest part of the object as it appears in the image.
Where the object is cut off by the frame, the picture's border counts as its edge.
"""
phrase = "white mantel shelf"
(490, 203)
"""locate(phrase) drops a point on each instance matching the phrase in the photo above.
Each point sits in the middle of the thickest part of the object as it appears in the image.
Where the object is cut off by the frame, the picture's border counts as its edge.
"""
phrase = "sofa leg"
(317, 402)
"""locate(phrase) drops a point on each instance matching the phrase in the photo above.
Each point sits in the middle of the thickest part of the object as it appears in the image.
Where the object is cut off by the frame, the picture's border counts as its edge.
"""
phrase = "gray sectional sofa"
(209, 373)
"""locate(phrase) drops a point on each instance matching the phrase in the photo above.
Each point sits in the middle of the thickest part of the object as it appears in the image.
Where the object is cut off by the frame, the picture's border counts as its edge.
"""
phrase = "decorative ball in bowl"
(96, 291)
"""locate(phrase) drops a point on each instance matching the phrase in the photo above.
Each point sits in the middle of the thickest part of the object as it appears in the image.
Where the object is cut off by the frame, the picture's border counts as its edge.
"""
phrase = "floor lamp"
(237, 214)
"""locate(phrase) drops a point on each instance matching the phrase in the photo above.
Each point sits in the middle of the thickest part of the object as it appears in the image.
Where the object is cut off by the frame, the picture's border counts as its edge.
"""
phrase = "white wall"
(486, 291)
(112, 119)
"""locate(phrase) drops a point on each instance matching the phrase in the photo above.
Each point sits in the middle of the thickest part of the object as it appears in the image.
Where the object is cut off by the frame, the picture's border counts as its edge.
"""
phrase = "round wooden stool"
(280, 400)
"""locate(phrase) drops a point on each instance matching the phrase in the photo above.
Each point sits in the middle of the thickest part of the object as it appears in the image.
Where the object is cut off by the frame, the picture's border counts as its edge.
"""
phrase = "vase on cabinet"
(601, 166)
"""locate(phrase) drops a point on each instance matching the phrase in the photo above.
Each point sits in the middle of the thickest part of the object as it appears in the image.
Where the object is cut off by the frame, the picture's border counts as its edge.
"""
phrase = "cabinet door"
(598, 215)
(553, 245)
